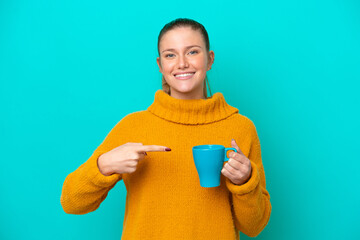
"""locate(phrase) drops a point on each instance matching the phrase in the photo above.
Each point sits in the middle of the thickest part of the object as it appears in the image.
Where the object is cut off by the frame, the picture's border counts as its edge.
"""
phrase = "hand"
(238, 168)
(124, 159)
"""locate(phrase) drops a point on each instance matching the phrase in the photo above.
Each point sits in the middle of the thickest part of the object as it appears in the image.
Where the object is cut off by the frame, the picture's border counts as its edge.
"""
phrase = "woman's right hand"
(124, 159)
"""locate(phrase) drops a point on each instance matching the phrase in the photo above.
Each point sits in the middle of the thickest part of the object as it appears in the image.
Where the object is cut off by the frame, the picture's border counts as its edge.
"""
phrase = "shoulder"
(243, 120)
(245, 123)
(128, 122)
(133, 118)
(126, 126)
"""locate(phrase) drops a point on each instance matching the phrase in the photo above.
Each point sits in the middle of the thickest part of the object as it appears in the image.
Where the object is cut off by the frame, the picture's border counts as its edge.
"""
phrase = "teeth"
(184, 75)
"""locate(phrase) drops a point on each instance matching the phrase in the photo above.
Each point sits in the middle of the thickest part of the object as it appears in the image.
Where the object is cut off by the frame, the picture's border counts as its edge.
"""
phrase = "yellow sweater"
(164, 197)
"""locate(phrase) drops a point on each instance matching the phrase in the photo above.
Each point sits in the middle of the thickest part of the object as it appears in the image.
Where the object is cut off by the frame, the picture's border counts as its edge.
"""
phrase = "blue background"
(70, 70)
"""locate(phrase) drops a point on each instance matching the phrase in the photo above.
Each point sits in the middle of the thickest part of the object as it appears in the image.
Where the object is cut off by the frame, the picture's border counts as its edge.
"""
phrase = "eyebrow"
(171, 49)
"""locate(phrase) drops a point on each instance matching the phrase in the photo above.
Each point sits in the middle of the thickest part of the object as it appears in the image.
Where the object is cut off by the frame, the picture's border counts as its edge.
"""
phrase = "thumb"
(234, 145)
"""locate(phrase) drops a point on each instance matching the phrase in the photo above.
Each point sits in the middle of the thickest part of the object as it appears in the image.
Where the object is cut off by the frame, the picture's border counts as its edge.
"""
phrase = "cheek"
(167, 67)
(200, 63)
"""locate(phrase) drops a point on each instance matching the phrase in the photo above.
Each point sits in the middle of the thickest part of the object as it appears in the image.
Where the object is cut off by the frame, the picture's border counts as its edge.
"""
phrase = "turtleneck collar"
(191, 111)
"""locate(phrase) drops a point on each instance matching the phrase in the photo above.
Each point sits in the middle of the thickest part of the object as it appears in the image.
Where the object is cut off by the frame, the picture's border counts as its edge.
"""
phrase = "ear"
(159, 64)
(211, 59)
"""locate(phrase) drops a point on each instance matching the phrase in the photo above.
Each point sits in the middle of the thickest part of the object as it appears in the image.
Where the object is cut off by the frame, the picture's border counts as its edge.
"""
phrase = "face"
(184, 62)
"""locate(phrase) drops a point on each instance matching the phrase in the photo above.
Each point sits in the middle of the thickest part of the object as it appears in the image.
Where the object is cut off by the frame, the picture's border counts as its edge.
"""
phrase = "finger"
(227, 173)
(238, 157)
(142, 153)
(234, 163)
(152, 148)
(230, 169)
(234, 145)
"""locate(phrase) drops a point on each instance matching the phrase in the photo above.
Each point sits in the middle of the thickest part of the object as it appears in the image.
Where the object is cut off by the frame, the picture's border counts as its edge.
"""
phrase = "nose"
(183, 63)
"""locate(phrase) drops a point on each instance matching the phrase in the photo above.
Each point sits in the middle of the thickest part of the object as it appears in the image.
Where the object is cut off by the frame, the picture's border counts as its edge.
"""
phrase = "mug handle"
(226, 150)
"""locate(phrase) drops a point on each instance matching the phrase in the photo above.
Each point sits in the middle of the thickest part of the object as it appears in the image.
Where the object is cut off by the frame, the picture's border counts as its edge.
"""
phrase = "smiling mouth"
(184, 75)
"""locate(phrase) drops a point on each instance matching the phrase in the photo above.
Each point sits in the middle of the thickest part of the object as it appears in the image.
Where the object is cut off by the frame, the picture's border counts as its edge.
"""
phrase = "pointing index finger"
(152, 148)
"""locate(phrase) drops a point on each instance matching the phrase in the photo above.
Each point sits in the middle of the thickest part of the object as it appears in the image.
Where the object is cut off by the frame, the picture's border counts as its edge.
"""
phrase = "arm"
(85, 188)
(251, 201)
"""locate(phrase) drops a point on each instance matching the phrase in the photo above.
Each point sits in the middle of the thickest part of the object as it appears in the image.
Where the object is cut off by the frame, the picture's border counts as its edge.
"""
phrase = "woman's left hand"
(238, 168)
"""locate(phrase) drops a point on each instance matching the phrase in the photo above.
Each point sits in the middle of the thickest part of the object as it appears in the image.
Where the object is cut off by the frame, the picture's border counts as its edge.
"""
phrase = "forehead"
(181, 37)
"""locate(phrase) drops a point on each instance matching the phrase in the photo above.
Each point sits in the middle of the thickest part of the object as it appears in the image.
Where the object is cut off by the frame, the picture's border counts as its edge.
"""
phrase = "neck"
(199, 94)
(191, 111)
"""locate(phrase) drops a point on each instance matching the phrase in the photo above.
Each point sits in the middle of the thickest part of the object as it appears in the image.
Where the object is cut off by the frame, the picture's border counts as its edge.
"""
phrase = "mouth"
(184, 76)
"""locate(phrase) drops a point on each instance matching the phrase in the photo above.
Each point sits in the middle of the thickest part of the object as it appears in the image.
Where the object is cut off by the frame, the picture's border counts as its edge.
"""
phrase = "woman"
(164, 198)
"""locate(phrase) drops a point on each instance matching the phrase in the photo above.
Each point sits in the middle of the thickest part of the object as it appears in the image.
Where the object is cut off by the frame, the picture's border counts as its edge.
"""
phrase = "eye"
(194, 51)
(169, 55)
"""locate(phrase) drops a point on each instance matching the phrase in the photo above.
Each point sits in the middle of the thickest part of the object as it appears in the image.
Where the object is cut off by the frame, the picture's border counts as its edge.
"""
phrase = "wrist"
(103, 166)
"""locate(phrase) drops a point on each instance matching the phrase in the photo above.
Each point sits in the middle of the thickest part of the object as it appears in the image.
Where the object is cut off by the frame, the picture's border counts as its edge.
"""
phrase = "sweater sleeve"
(251, 201)
(85, 188)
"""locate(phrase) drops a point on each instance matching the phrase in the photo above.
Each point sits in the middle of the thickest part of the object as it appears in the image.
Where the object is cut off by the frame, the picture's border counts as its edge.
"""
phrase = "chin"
(184, 89)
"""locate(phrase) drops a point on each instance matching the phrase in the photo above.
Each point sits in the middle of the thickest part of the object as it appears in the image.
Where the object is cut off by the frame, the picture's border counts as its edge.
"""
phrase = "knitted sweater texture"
(164, 197)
